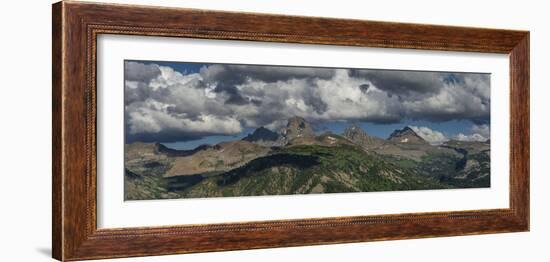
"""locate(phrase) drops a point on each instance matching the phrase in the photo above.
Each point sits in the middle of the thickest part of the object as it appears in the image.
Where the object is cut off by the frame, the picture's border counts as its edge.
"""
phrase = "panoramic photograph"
(202, 130)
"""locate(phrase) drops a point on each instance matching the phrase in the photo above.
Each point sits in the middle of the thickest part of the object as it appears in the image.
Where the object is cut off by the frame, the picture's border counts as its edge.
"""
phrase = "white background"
(114, 212)
(25, 106)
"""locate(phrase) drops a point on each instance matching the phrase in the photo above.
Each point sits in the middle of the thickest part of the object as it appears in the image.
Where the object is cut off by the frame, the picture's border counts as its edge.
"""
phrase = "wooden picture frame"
(76, 26)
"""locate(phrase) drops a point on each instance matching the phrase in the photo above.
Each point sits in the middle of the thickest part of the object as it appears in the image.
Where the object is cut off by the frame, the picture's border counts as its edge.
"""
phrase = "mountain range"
(295, 160)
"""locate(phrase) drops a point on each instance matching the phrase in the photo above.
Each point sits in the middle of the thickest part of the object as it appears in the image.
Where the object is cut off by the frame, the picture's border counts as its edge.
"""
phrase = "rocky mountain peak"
(406, 135)
(297, 127)
(354, 131)
(262, 134)
(357, 135)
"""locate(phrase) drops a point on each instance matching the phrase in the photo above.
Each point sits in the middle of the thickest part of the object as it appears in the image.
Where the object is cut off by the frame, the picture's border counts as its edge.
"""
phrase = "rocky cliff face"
(265, 137)
(262, 134)
(297, 127)
(406, 136)
(358, 136)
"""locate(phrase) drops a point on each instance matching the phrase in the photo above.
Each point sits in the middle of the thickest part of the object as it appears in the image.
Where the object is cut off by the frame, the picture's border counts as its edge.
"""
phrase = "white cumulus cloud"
(480, 133)
(162, 104)
(433, 137)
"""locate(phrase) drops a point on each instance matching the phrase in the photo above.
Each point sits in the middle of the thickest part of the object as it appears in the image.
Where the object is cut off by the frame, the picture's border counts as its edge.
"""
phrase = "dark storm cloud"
(403, 82)
(364, 87)
(228, 77)
(315, 102)
(238, 74)
(135, 71)
(163, 104)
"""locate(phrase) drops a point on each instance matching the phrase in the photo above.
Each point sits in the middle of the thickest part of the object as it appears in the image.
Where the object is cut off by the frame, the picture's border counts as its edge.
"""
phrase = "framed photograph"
(181, 130)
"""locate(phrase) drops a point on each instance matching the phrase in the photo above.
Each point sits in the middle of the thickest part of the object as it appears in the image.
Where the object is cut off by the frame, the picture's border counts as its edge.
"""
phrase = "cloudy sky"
(192, 103)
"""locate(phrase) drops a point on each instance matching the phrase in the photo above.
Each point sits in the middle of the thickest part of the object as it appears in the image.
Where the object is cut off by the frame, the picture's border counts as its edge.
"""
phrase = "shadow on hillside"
(180, 183)
(257, 165)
